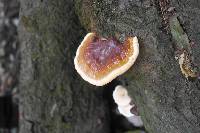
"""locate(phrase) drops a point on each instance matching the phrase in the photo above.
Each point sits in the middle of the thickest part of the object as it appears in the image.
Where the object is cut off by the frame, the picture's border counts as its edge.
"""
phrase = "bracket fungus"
(120, 96)
(126, 107)
(99, 60)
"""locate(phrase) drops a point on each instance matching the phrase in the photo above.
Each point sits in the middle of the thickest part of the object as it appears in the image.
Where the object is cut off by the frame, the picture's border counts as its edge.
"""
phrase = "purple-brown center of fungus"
(100, 56)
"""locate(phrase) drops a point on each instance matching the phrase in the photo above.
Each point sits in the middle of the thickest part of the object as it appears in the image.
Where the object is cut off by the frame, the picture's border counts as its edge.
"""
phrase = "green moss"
(35, 56)
(141, 79)
(54, 123)
(135, 131)
(59, 91)
(137, 77)
(129, 75)
(175, 26)
(51, 28)
(29, 23)
(53, 128)
(84, 12)
(66, 125)
(178, 34)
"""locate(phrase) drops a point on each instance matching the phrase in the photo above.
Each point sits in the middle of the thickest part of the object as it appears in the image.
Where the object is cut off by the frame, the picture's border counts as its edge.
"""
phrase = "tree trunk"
(55, 99)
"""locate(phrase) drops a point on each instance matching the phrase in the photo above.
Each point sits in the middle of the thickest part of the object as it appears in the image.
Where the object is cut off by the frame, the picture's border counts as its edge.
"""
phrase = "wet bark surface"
(55, 99)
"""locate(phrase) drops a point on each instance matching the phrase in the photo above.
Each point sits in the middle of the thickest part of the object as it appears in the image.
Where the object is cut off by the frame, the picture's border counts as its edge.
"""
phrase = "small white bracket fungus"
(93, 58)
(120, 96)
(125, 107)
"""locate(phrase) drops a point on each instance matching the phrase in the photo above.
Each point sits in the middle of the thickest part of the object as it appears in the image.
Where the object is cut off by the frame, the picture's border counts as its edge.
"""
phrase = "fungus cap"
(120, 96)
(99, 60)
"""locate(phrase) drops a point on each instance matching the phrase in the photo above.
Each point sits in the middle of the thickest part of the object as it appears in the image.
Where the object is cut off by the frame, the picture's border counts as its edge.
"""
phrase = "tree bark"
(55, 99)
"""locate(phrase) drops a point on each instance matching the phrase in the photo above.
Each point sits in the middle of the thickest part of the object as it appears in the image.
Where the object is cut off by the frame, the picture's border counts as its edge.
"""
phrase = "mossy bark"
(55, 99)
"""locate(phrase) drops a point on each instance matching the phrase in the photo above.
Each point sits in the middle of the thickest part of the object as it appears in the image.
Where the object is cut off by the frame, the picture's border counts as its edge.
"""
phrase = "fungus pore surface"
(99, 60)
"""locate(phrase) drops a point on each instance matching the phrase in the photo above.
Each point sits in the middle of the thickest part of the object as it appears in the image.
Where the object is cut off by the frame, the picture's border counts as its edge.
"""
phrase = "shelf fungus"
(126, 107)
(99, 60)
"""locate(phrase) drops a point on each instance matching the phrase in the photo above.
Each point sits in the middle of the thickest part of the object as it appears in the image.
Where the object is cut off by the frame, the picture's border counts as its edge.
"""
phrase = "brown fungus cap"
(99, 60)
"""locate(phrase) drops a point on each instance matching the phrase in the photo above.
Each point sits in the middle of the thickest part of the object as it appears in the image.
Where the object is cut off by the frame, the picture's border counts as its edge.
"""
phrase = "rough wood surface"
(168, 102)
(54, 99)
(50, 88)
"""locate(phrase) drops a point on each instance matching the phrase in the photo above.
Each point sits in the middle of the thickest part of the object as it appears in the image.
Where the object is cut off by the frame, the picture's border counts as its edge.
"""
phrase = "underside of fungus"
(99, 60)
